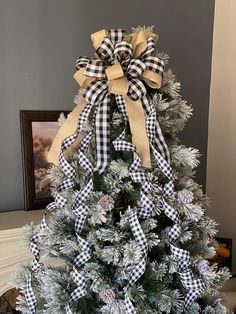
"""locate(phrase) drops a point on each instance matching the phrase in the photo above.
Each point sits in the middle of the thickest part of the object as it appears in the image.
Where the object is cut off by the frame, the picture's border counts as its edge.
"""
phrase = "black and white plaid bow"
(114, 50)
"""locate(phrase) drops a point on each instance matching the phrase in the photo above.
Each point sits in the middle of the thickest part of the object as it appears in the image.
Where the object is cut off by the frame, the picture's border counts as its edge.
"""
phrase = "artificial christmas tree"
(128, 218)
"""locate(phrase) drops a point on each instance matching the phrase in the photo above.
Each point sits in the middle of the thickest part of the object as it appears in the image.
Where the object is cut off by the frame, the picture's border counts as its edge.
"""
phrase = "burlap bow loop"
(117, 81)
(141, 41)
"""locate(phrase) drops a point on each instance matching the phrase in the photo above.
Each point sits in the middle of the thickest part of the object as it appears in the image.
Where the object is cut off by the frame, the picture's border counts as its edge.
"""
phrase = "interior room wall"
(221, 168)
(40, 41)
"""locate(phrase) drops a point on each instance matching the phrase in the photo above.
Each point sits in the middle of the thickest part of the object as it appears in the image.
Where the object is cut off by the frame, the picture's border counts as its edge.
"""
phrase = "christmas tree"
(128, 221)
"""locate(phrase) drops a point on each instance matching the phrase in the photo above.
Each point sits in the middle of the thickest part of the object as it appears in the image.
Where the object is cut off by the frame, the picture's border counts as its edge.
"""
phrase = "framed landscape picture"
(38, 129)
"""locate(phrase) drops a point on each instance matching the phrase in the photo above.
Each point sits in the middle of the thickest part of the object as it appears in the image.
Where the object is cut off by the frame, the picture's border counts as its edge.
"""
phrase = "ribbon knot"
(121, 65)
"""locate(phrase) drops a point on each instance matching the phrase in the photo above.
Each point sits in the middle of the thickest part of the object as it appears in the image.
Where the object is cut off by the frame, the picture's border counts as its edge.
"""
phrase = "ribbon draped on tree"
(123, 65)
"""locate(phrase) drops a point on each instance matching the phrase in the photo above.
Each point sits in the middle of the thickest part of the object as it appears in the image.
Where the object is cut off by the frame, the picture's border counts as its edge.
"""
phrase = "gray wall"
(40, 41)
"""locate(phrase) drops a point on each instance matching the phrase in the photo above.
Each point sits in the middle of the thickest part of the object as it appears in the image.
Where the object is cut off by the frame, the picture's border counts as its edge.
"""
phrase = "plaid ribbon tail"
(30, 296)
(102, 126)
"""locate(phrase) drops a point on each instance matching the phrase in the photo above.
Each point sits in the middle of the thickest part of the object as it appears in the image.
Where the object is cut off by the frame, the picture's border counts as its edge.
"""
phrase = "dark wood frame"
(26, 119)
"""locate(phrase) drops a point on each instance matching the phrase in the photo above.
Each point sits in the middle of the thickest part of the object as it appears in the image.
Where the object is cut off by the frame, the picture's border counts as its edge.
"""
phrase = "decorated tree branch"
(128, 218)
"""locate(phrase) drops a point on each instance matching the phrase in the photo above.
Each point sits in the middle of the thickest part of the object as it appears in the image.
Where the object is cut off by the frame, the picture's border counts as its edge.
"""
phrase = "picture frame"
(38, 129)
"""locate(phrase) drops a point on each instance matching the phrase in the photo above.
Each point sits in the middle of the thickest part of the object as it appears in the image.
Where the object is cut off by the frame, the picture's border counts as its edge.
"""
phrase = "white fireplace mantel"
(12, 252)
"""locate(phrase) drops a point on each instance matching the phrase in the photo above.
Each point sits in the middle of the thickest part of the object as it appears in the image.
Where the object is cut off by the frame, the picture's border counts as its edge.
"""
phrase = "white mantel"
(12, 249)
(12, 252)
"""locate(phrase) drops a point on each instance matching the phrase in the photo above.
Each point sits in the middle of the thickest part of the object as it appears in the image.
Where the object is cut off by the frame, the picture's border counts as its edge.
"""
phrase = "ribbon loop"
(150, 48)
(95, 68)
(117, 35)
(136, 67)
(122, 51)
(137, 90)
(97, 38)
(81, 62)
(105, 51)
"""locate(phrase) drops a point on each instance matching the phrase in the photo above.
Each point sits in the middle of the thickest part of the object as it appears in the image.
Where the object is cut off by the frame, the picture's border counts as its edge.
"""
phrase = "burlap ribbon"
(121, 65)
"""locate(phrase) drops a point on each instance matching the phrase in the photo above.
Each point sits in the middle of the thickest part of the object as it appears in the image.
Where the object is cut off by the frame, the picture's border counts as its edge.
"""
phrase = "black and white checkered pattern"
(161, 144)
(81, 63)
(96, 91)
(84, 162)
(194, 286)
(154, 64)
(140, 267)
(102, 125)
(121, 107)
(116, 35)
(81, 210)
(79, 292)
(83, 195)
(30, 296)
(138, 232)
(144, 211)
(150, 50)
(84, 117)
(162, 163)
(105, 51)
(122, 51)
(137, 89)
(95, 68)
(180, 254)
(136, 67)
(59, 202)
(168, 189)
(175, 232)
(154, 131)
(169, 211)
(83, 147)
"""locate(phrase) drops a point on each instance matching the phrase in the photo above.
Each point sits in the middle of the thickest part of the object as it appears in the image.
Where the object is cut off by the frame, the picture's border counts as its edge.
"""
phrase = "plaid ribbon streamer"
(161, 154)
(140, 267)
(115, 50)
(59, 202)
(143, 211)
(30, 296)
(193, 286)
(81, 210)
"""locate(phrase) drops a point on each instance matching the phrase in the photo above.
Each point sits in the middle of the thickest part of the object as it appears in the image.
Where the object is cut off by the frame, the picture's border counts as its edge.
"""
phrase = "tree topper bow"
(120, 66)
